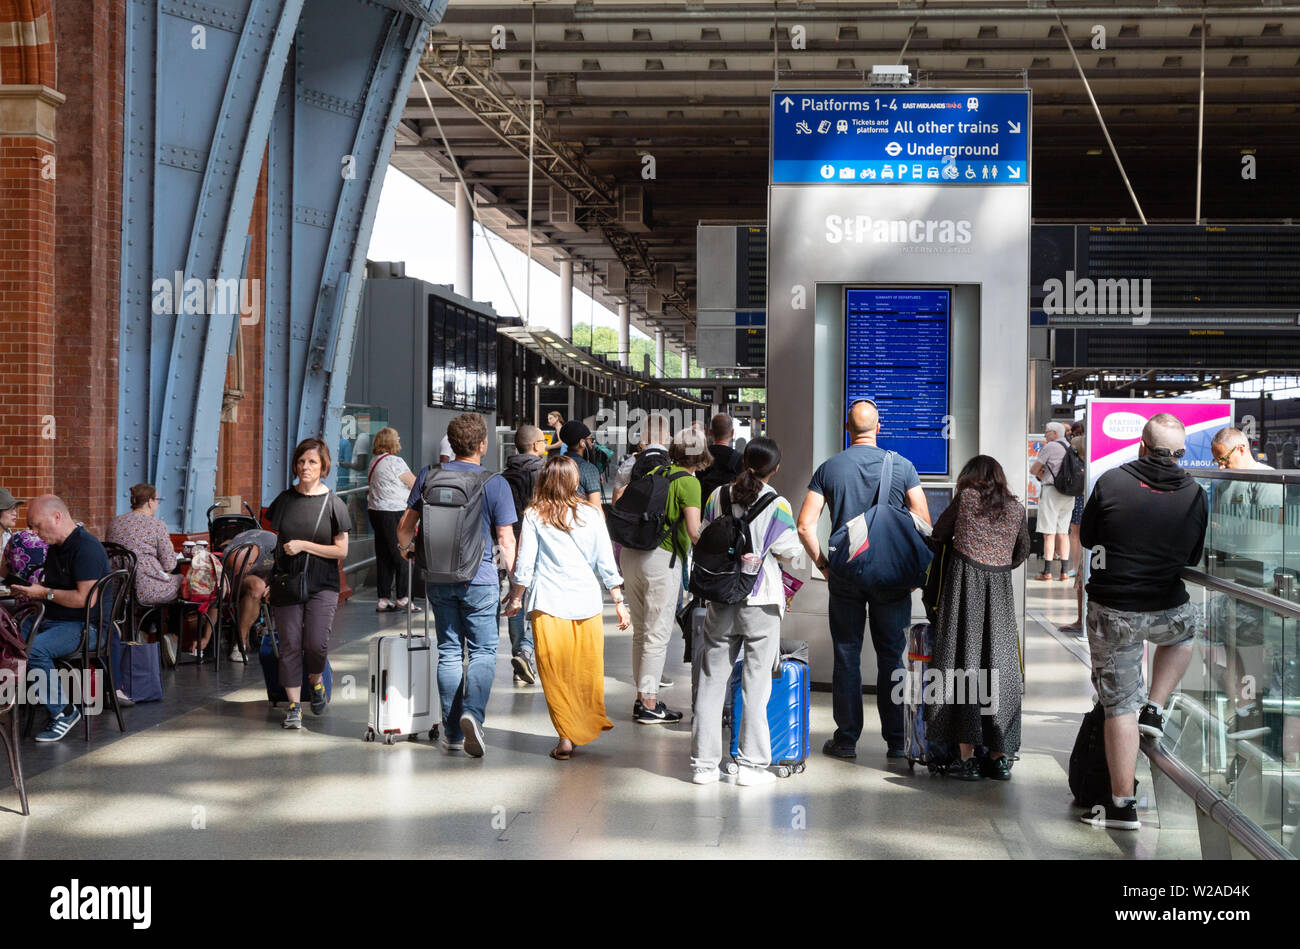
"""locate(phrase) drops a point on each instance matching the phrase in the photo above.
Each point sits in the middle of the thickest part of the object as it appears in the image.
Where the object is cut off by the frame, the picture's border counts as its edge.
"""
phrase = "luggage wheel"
(413, 737)
(369, 735)
(433, 733)
(731, 768)
(783, 772)
(800, 768)
(388, 739)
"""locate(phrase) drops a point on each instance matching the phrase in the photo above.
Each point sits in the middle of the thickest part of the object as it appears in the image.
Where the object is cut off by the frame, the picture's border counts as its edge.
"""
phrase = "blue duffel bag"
(891, 554)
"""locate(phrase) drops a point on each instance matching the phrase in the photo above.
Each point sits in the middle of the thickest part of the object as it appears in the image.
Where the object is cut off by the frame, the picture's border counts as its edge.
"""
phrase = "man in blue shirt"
(467, 612)
(576, 438)
(75, 563)
(847, 485)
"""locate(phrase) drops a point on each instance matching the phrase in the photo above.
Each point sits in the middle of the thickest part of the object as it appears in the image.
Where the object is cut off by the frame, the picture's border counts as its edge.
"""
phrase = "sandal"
(1044, 576)
(559, 755)
(408, 605)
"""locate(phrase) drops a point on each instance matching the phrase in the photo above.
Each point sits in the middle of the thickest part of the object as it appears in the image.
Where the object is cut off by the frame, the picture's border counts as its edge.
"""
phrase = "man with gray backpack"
(461, 510)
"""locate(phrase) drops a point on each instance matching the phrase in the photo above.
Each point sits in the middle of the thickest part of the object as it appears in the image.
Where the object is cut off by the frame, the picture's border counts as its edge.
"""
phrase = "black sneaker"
(318, 698)
(661, 714)
(965, 769)
(1151, 721)
(1111, 817)
(523, 663)
(999, 769)
(846, 752)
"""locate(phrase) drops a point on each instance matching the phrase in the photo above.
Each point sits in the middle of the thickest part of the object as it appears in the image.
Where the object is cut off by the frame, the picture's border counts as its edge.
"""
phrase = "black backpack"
(1089, 773)
(714, 477)
(718, 575)
(647, 461)
(1069, 479)
(451, 524)
(639, 518)
(522, 481)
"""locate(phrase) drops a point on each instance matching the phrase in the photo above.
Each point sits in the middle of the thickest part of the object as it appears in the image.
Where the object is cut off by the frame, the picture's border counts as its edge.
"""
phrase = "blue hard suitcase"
(269, 654)
(788, 711)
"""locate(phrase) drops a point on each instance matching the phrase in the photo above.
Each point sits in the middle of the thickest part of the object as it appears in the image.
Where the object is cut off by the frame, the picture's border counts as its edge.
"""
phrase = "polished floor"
(209, 773)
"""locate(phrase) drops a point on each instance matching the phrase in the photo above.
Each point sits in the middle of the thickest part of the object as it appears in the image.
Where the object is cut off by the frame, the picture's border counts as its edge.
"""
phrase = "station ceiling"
(689, 84)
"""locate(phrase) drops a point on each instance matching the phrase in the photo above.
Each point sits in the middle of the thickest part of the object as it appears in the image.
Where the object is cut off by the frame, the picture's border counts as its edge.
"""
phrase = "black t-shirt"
(296, 516)
(79, 557)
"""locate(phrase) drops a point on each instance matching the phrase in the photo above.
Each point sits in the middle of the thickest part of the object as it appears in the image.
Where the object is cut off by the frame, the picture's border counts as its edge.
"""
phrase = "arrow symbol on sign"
(787, 102)
(1015, 127)
(1013, 172)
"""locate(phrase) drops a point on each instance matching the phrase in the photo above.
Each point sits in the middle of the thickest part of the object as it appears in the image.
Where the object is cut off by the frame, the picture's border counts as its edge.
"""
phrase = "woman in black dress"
(976, 637)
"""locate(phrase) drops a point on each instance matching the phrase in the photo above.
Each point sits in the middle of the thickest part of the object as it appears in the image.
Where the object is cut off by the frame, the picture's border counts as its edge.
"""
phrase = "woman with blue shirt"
(563, 548)
(754, 624)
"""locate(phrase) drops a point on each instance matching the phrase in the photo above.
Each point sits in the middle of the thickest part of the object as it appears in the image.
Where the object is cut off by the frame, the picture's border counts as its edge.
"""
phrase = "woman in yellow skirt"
(564, 558)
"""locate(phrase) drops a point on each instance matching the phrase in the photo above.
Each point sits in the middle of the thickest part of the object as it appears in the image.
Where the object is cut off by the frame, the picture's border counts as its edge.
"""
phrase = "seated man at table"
(75, 562)
(254, 588)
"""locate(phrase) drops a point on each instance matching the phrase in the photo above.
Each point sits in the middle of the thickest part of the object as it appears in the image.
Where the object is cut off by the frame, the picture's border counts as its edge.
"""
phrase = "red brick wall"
(240, 459)
(27, 306)
(27, 274)
(91, 57)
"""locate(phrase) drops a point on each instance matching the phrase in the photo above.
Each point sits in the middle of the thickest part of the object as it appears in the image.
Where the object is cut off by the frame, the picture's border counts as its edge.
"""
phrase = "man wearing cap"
(577, 443)
(8, 518)
(847, 484)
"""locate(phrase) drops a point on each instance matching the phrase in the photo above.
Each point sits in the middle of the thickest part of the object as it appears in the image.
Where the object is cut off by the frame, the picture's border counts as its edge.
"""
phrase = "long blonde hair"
(555, 498)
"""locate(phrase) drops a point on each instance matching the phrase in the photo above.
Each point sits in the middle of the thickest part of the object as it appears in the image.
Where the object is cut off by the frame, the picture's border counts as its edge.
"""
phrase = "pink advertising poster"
(1115, 428)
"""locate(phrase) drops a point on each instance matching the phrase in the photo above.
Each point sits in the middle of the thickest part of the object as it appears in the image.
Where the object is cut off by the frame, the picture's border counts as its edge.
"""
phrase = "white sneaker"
(706, 777)
(236, 656)
(750, 777)
(450, 746)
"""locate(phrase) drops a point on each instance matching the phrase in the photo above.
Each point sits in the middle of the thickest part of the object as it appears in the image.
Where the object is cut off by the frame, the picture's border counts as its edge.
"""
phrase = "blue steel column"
(332, 139)
(204, 82)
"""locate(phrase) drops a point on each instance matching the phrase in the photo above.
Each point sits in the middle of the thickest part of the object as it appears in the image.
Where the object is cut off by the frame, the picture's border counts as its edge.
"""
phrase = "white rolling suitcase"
(404, 684)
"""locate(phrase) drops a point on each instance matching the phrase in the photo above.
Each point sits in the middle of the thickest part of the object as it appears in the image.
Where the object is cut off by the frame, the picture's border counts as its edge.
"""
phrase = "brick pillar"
(28, 107)
(90, 39)
(239, 461)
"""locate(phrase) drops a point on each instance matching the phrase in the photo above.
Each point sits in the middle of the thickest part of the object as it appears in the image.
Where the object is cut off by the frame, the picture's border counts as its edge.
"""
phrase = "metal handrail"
(1210, 802)
(1274, 604)
(1265, 475)
(364, 487)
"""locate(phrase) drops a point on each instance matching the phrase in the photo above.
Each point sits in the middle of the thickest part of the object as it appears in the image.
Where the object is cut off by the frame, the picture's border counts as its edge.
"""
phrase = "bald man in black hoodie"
(1145, 521)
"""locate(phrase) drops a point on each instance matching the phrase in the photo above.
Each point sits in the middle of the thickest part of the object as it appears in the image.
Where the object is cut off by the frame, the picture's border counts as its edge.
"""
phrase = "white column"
(659, 353)
(566, 299)
(624, 334)
(464, 244)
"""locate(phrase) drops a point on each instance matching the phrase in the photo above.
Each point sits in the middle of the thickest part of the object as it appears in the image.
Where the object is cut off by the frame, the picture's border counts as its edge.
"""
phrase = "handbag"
(13, 649)
(289, 580)
(140, 670)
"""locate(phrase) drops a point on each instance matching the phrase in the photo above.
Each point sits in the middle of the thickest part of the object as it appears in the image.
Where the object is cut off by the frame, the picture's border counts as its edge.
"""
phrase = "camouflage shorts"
(1115, 640)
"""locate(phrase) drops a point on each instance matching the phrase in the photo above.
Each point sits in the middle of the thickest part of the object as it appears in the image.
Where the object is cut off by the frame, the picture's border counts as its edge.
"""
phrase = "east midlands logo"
(77, 902)
(864, 229)
(1088, 297)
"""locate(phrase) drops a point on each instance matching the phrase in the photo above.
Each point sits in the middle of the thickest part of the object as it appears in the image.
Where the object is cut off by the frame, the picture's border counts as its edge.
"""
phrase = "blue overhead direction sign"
(900, 137)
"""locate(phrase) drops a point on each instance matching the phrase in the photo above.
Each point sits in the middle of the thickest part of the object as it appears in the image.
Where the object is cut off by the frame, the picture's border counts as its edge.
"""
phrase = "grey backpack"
(451, 524)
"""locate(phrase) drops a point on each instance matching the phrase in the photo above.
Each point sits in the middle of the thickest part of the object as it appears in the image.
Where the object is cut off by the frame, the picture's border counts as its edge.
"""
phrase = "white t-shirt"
(444, 449)
(387, 493)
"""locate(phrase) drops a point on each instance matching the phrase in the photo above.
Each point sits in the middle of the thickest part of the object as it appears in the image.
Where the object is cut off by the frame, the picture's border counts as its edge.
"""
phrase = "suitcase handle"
(383, 686)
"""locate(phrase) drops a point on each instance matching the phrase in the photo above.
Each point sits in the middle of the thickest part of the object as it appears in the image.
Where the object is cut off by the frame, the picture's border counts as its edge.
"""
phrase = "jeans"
(465, 614)
(889, 614)
(54, 639)
(521, 634)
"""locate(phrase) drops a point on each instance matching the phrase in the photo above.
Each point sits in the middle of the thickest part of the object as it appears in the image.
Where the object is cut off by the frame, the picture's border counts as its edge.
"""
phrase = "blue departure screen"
(896, 354)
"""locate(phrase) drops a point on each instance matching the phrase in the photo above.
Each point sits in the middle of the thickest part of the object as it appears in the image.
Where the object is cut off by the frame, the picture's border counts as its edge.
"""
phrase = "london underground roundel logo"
(893, 148)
